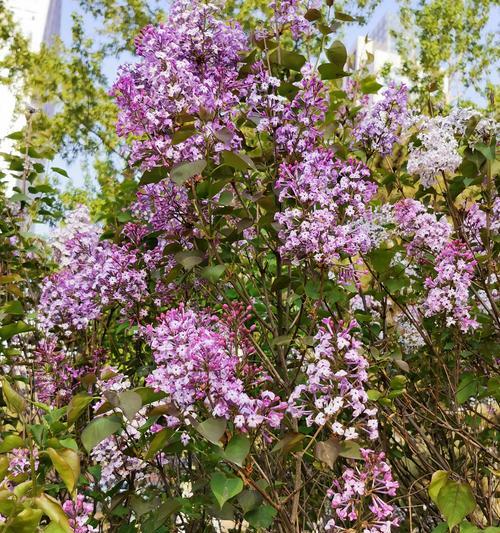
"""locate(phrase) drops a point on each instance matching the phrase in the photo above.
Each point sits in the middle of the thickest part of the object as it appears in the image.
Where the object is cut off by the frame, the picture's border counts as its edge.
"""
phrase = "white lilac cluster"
(437, 151)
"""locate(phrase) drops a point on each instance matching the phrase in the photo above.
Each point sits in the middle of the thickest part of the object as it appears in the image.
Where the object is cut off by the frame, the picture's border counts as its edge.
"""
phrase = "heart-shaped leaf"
(224, 488)
(99, 429)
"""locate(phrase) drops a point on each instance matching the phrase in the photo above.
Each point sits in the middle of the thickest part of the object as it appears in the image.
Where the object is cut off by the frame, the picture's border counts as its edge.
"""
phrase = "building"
(39, 21)
(378, 49)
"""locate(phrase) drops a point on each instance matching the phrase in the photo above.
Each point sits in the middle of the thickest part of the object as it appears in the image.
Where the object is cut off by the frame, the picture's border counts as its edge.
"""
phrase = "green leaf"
(455, 501)
(467, 387)
(438, 480)
(99, 429)
(188, 259)
(225, 198)
(25, 522)
(239, 161)
(20, 197)
(53, 527)
(181, 135)
(60, 171)
(467, 527)
(344, 17)
(288, 442)
(181, 172)
(77, 406)
(8, 331)
(237, 450)
(327, 451)
(262, 517)
(10, 442)
(15, 402)
(441, 528)
(337, 54)
(52, 508)
(370, 85)
(159, 442)
(153, 175)
(212, 429)
(130, 403)
(291, 60)
(350, 449)
(213, 273)
(381, 259)
(14, 307)
(149, 395)
(331, 71)
(224, 488)
(487, 151)
(249, 499)
(67, 464)
(312, 289)
(312, 14)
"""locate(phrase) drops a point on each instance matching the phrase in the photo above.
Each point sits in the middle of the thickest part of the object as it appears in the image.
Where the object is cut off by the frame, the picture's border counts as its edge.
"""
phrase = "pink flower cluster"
(334, 393)
(58, 372)
(454, 262)
(424, 229)
(356, 497)
(332, 216)
(20, 461)
(79, 513)
(97, 274)
(293, 124)
(189, 67)
(290, 14)
(379, 127)
(200, 366)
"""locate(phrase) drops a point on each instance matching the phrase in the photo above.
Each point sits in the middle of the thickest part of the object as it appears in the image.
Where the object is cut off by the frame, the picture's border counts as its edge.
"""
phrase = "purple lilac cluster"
(334, 394)
(20, 461)
(454, 262)
(111, 453)
(332, 215)
(199, 365)
(424, 229)
(79, 512)
(290, 14)
(357, 498)
(379, 127)
(56, 377)
(293, 124)
(189, 67)
(97, 274)
(449, 290)
(478, 219)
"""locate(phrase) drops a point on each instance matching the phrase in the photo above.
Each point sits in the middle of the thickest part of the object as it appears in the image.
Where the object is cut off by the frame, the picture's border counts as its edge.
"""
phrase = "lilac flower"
(449, 290)
(97, 274)
(198, 365)
(379, 126)
(20, 461)
(424, 228)
(334, 393)
(437, 152)
(79, 513)
(357, 496)
(189, 66)
(332, 217)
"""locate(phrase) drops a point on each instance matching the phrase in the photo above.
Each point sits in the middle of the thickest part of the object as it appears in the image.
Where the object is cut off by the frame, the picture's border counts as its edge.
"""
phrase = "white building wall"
(39, 21)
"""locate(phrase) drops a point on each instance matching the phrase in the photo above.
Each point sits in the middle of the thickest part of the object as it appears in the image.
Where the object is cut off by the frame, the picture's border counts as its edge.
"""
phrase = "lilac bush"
(292, 328)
